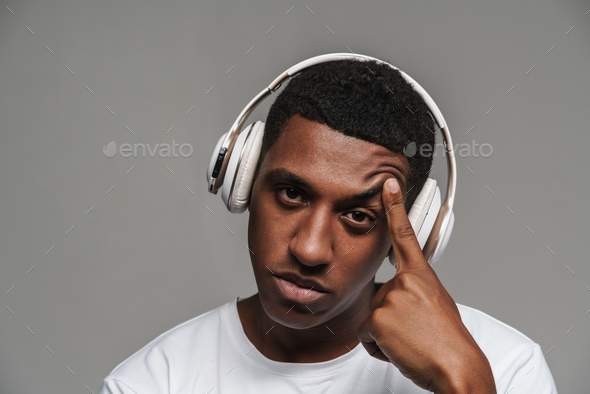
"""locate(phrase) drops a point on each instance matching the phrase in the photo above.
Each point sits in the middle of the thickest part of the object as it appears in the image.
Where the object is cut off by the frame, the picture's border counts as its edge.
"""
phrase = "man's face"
(306, 222)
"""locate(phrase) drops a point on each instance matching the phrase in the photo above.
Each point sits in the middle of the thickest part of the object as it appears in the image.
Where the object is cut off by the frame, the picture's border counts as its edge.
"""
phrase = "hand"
(415, 324)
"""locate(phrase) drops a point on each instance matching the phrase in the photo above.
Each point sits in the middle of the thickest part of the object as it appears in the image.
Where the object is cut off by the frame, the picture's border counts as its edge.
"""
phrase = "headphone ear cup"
(214, 156)
(241, 168)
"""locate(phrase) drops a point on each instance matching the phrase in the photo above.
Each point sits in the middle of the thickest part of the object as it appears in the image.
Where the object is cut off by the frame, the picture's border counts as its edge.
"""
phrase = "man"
(329, 201)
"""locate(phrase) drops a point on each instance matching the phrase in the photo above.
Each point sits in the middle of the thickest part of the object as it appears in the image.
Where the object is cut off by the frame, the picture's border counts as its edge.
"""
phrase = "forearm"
(472, 375)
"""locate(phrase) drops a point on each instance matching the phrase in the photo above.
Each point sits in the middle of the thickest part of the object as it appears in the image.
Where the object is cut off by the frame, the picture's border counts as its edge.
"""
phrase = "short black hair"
(367, 100)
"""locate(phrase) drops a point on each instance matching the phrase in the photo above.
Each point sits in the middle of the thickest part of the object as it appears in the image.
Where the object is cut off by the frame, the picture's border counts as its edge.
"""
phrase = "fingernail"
(392, 185)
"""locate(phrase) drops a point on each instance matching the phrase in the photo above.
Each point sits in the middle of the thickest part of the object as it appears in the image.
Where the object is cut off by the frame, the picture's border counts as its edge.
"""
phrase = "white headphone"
(236, 155)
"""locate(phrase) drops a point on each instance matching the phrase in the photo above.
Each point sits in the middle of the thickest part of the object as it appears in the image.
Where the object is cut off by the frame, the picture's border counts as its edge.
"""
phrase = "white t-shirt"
(211, 354)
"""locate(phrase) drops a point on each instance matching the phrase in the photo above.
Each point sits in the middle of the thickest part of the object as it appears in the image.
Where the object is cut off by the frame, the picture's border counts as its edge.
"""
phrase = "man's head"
(363, 99)
(332, 138)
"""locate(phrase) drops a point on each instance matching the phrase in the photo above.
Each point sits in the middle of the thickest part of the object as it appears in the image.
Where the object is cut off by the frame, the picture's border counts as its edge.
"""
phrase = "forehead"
(317, 152)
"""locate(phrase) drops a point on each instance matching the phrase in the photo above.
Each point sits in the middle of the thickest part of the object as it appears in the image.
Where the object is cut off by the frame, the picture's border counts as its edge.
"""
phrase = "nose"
(312, 243)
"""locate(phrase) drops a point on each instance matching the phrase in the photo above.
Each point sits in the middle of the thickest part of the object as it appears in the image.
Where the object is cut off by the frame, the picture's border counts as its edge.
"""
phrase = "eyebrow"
(367, 194)
(283, 173)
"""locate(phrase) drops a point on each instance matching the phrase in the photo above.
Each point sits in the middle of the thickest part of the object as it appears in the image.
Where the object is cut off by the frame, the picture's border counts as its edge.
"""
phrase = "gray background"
(150, 255)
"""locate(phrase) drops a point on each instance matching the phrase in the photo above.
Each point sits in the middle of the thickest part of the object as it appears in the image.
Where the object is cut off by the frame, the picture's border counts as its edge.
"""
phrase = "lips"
(302, 282)
(296, 293)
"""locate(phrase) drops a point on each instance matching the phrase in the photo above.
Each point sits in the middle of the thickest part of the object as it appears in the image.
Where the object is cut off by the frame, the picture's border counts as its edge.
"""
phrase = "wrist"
(471, 375)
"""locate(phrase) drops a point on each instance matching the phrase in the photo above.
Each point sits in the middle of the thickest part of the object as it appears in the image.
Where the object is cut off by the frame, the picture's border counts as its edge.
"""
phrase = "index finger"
(408, 254)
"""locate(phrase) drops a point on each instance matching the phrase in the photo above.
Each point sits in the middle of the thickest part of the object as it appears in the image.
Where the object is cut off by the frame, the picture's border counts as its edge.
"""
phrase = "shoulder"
(150, 367)
(486, 329)
(516, 360)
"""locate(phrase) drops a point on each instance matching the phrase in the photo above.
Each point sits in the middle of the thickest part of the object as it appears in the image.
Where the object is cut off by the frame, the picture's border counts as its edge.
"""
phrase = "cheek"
(368, 254)
(267, 229)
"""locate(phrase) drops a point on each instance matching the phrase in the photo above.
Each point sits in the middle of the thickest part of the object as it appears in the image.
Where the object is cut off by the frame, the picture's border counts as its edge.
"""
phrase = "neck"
(331, 339)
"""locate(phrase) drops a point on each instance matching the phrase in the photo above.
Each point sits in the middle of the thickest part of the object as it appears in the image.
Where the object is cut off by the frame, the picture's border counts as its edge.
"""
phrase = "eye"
(360, 217)
(290, 193)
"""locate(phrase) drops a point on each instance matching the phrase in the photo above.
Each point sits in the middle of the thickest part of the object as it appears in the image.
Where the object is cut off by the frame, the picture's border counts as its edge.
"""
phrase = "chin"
(291, 315)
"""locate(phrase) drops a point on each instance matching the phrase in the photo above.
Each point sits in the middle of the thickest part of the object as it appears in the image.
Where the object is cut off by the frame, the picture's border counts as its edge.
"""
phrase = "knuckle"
(412, 283)
(421, 289)
(389, 299)
(392, 302)
(376, 319)
(407, 280)
(396, 203)
(405, 231)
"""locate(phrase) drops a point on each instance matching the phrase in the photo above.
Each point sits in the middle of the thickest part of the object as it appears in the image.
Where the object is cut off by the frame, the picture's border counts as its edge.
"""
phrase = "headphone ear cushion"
(244, 178)
(234, 157)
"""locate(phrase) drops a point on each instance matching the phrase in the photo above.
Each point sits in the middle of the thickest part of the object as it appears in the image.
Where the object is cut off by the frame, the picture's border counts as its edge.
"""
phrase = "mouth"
(298, 289)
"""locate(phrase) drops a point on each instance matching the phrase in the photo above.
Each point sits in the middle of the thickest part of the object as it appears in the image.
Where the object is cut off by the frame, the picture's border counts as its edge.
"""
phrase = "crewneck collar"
(241, 341)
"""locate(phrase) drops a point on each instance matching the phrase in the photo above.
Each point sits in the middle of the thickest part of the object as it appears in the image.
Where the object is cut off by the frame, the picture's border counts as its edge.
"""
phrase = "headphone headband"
(445, 214)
